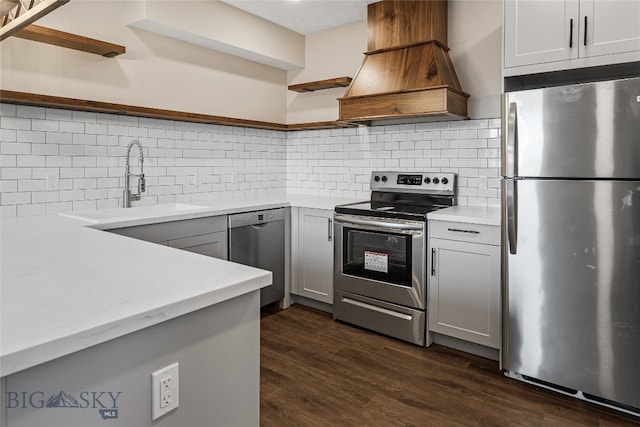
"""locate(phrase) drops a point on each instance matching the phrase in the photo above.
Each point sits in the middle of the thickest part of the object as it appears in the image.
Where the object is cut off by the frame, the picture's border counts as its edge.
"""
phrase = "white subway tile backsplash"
(8, 186)
(85, 139)
(30, 161)
(15, 148)
(15, 173)
(8, 122)
(71, 150)
(45, 196)
(73, 127)
(57, 114)
(8, 135)
(84, 116)
(45, 125)
(87, 152)
(54, 208)
(18, 198)
(28, 136)
(58, 161)
(8, 110)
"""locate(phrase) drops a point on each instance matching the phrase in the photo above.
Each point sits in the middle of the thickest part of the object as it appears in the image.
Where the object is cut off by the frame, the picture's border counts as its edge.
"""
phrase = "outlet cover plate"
(165, 393)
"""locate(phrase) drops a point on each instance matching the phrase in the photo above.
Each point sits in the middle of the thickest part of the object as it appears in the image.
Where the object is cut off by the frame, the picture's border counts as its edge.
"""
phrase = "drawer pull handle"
(458, 230)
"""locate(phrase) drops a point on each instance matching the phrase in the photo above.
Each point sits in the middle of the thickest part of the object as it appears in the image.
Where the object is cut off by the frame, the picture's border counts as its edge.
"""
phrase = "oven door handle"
(380, 224)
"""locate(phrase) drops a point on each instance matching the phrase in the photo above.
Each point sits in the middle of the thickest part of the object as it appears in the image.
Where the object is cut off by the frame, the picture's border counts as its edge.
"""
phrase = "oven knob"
(427, 180)
(376, 178)
(384, 178)
(436, 180)
(445, 181)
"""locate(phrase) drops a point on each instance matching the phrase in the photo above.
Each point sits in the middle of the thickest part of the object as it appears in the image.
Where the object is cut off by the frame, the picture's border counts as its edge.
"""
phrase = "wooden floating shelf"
(24, 98)
(321, 84)
(70, 41)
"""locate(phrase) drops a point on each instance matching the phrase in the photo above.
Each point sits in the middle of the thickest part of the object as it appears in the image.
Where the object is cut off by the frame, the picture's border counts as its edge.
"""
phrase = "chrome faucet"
(128, 197)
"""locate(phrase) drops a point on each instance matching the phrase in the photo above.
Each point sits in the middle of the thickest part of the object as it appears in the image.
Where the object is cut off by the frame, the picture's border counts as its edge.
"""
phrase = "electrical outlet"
(53, 182)
(164, 391)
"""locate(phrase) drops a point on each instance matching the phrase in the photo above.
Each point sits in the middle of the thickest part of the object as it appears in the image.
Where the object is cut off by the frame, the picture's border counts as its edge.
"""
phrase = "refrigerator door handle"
(512, 215)
(512, 140)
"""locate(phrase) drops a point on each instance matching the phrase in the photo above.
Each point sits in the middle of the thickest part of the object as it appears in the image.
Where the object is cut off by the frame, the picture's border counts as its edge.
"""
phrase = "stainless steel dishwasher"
(257, 239)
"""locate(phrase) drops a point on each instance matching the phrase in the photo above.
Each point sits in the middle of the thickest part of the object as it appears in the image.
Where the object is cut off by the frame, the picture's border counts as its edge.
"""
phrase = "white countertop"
(468, 214)
(149, 215)
(66, 287)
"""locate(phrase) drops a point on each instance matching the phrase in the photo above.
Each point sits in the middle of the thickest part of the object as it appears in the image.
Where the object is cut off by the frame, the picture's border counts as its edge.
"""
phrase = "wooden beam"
(70, 41)
(30, 16)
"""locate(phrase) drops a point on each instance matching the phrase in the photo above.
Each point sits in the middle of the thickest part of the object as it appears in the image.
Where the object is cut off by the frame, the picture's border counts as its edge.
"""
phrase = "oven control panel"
(428, 182)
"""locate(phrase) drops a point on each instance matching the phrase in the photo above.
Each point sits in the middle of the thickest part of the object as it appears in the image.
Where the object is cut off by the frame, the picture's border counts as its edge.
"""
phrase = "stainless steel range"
(380, 253)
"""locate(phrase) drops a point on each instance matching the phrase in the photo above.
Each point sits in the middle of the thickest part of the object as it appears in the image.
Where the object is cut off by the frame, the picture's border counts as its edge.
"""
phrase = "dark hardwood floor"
(318, 372)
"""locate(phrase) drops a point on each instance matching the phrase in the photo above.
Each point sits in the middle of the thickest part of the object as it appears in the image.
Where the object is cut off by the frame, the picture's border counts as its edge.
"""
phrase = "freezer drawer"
(572, 292)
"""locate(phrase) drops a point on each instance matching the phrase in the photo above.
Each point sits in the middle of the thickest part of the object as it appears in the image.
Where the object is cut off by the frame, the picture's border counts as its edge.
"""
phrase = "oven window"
(379, 256)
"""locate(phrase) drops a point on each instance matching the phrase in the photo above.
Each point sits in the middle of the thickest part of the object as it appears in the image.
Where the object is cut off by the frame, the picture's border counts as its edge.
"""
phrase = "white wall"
(162, 72)
(474, 40)
(333, 53)
(156, 71)
(475, 28)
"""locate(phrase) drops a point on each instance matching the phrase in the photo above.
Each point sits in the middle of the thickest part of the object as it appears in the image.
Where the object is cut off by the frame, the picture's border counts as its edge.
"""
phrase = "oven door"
(381, 258)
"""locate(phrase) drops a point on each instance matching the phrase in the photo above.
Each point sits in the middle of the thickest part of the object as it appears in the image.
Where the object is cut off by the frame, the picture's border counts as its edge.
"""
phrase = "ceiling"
(306, 16)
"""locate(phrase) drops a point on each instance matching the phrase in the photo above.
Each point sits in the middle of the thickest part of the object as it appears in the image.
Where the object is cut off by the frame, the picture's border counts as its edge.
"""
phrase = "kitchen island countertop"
(66, 286)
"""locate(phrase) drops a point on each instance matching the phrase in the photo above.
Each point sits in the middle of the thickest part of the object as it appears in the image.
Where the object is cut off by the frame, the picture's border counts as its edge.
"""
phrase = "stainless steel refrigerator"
(571, 239)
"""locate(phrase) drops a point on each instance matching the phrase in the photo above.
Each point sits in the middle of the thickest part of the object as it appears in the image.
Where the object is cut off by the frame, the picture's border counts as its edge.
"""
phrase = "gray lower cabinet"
(205, 236)
(464, 281)
(313, 254)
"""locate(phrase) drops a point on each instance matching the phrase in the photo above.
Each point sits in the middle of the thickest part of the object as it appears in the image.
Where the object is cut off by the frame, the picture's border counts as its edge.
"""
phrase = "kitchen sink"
(138, 212)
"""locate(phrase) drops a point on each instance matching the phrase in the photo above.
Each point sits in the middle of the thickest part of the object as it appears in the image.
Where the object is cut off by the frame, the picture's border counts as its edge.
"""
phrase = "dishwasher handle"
(256, 219)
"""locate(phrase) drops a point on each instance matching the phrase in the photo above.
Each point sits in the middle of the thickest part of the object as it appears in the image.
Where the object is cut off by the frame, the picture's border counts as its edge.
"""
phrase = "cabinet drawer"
(163, 231)
(465, 232)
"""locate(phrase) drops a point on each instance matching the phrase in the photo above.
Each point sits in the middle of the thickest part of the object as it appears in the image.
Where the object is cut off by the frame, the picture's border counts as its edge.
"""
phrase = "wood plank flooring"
(319, 372)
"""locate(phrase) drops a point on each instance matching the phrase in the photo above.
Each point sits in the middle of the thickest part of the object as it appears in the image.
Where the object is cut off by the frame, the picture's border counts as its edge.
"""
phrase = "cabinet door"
(538, 31)
(464, 291)
(612, 26)
(314, 269)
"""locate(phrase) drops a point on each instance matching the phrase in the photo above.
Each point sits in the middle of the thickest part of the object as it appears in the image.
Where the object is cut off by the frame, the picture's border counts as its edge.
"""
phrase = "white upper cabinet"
(550, 35)
(539, 31)
(610, 26)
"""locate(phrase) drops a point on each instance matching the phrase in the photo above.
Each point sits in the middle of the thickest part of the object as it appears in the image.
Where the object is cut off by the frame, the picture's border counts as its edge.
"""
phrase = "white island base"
(218, 352)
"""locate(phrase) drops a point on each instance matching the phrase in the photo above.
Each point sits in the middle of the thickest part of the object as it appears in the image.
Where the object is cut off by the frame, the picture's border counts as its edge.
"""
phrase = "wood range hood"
(407, 75)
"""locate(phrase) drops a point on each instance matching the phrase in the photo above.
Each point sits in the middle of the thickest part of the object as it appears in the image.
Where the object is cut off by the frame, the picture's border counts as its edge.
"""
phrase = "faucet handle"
(141, 184)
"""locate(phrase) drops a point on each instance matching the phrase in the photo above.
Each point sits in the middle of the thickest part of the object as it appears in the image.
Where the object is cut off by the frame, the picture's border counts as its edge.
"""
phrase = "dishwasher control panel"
(255, 218)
